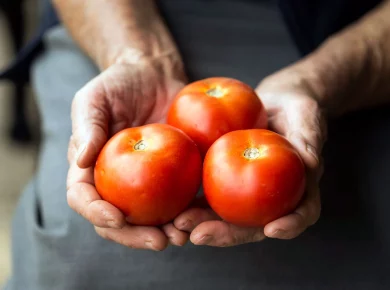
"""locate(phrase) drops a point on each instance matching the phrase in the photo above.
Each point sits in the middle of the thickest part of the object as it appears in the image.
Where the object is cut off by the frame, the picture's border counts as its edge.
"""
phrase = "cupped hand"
(124, 95)
(294, 113)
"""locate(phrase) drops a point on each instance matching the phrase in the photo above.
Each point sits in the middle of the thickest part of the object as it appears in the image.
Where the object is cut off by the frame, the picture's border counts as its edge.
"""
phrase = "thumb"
(90, 118)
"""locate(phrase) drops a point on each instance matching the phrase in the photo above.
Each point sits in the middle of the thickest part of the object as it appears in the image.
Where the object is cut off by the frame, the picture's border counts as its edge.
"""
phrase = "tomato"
(207, 109)
(151, 173)
(252, 177)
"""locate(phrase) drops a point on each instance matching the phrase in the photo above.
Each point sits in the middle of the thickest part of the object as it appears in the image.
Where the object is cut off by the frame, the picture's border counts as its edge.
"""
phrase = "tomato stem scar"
(215, 92)
(251, 153)
(140, 145)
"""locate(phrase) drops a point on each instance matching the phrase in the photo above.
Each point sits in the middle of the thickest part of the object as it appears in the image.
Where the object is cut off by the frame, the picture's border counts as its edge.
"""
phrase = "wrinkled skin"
(122, 96)
(132, 95)
(294, 113)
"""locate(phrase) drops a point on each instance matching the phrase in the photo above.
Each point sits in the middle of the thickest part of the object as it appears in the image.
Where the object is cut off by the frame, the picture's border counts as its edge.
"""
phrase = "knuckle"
(243, 239)
(314, 134)
(93, 213)
(74, 204)
(235, 239)
(257, 236)
(238, 238)
(76, 99)
(71, 149)
(75, 201)
(71, 198)
(78, 94)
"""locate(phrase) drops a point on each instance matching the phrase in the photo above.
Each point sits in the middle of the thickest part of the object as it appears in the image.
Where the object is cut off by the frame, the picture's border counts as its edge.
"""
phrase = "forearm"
(117, 30)
(351, 70)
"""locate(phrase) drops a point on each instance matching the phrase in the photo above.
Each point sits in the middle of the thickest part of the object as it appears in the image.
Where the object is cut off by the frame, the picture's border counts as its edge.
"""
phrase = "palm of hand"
(126, 96)
(120, 97)
(294, 113)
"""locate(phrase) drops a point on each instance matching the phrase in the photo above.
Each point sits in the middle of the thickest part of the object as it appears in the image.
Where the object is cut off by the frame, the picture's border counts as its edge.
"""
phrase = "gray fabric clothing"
(54, 248)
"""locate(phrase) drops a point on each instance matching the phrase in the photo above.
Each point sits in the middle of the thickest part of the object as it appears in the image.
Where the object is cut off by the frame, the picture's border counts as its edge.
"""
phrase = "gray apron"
(54, 248)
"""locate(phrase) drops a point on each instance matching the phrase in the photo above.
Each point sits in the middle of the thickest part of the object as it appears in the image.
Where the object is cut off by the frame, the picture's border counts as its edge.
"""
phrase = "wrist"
(336, 70)
(135, 56)
(149, 47)
(141, 37)
(350, 69)
(168, 63)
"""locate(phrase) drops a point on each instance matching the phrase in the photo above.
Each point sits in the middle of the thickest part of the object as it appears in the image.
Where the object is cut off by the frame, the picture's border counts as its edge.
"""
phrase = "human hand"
(294, 113)
(124, 95)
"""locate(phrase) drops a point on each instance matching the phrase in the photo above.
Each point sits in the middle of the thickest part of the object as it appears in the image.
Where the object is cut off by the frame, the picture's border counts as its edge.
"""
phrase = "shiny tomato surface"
(151, 173)
(252, 177)
(207, 109)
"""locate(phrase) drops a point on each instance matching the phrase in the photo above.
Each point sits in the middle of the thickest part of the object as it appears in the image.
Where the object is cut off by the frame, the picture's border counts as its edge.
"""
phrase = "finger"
(222, 234)
(136, 237)
(72, 150)
(175, 236)
(79, 175)
(84, 199)
(306, 132)
(307, 214)
(192, 217)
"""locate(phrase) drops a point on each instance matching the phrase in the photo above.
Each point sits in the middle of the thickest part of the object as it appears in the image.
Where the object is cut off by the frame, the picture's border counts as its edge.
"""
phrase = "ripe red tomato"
(207, 109)
(151, 173)
(252, 177)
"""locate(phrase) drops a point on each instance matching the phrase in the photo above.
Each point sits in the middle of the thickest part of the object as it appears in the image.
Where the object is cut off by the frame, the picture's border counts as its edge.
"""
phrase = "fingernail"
(188, 224)
(203, 239)
(278, 233)
(150, 246)
(81, 150)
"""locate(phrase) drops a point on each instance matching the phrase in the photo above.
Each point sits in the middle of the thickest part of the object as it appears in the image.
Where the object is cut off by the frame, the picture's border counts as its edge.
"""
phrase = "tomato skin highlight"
(151, 173)
(253, 192)
(207, 109)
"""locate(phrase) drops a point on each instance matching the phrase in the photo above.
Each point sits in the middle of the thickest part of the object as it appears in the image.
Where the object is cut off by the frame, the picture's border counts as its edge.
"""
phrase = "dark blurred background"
(19, 124)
